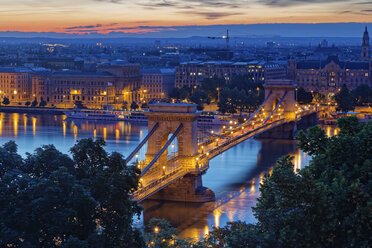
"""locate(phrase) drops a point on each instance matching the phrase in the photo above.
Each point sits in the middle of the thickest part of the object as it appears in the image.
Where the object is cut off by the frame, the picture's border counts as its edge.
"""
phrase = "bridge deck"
(212, 148)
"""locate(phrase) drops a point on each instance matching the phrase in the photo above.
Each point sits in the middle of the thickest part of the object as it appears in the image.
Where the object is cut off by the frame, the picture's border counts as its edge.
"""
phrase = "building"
(192, 73)
(365, 45)
(15, 84)
(157, 83)
(328, 76)
(127, 82)
(63, 89)
(112, 84)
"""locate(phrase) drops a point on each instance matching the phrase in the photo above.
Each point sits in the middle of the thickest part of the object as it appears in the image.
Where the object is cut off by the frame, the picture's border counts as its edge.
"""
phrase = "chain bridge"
(179, 177)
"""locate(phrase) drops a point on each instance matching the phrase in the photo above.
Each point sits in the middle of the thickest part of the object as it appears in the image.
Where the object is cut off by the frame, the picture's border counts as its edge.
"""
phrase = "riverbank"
(30, 110)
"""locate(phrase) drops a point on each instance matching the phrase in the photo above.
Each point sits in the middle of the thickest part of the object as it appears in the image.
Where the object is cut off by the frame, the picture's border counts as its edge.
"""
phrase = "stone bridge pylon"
(174, 121)
(281, 91)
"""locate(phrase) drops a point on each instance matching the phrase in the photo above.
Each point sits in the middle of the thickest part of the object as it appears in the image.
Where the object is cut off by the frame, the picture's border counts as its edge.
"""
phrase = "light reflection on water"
(234, 176)
(32, 131)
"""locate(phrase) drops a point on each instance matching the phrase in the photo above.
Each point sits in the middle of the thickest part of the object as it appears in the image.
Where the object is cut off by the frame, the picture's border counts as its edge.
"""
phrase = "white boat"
(90, 114)
(135, 117)
(214, 118)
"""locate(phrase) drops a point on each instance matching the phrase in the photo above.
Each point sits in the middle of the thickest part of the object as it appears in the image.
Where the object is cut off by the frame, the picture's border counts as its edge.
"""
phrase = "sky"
(156, 16)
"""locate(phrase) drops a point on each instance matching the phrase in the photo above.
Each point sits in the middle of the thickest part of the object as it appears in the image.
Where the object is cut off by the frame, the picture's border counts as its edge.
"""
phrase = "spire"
(365, 44)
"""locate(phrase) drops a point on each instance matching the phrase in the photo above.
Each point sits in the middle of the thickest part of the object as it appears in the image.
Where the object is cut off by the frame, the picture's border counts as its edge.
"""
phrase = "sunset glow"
(145, 16)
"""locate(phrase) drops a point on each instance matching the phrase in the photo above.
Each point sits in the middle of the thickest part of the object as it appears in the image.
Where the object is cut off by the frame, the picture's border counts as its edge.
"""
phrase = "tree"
(181, 93)
(246, 83)
(51, 200)
(200, 98)
(144, 106)
(304, 97)
(324, 205)
(34, 103)
(134, 105)
(362, 95)
(79, 105)
(124, 105)
(162, 235)
(233, 100)
(225, 105)
(28, 103)
(6, 101)
(211, 86)
(318, 97)
(344, 100)
(42, 103)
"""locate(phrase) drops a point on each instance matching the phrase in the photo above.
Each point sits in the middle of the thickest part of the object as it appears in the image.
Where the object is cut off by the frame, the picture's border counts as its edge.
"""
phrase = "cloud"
(194, 4)
(211, 15)
(110, 1)
(284, 3)
(84, 27)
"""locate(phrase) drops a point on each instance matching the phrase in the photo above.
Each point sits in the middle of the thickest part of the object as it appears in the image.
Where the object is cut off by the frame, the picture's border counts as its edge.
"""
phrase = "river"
(234, 176)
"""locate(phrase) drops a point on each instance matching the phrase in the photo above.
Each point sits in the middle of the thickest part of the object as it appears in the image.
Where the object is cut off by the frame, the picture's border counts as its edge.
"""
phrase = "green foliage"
(6, 101)
(318, 97)
(314, 142)
(181, 93)
(233, 100)
(326, 204)
(162, 235)
(144, 106)
(79, 105)
(246, 83)
(200, 98)
(344, 100)
(51, 200)
(211, 86)
(28, 103)
(34, 103)
(362, 95)
(304, 97)
(42, 103)
(134, 105)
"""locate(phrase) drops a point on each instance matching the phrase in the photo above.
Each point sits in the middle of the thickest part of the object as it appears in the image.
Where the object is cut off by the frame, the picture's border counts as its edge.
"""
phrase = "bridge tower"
(281, 90)
(179, 120)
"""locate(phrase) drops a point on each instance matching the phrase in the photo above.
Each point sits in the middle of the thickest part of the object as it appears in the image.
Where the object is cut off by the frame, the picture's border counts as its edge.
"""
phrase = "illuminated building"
(14, 84)
(111, 85)
(157, 83)
(192, 73)
(328, 76)
(62, 89)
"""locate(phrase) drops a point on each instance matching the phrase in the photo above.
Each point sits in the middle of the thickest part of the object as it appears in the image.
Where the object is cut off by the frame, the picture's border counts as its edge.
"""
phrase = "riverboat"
(90, 114)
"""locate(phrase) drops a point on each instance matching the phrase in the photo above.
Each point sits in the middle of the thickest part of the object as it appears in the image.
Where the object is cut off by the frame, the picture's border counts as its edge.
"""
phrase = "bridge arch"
(283, 91)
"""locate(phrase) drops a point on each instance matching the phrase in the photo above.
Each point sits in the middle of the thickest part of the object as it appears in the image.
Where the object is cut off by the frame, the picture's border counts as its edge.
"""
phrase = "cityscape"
(185, 124)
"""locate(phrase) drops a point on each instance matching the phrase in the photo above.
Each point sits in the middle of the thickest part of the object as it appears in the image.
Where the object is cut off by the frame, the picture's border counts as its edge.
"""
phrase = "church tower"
(365, 45)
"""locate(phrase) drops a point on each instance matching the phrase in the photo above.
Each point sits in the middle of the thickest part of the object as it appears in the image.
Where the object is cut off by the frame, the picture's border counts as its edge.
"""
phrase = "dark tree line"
(49, 199)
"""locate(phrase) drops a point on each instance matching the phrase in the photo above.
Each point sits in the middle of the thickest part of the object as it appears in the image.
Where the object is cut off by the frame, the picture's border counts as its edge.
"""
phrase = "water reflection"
(235, 177)
(63, 133)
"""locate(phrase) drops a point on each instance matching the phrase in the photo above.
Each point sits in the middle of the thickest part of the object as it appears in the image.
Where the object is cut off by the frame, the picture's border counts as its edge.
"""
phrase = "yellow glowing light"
(156, 229)
(15, 92)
